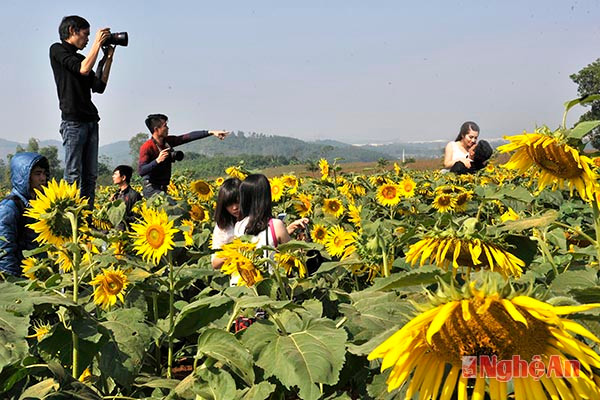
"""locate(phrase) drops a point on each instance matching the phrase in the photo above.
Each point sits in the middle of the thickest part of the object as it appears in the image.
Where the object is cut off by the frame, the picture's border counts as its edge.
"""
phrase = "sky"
(353, 71)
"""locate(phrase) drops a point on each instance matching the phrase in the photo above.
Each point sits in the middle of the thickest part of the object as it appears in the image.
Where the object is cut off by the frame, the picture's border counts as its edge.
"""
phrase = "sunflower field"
(404, 275)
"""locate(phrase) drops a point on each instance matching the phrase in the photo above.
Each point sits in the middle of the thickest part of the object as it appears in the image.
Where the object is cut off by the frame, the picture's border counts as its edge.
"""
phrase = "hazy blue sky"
(354, 71)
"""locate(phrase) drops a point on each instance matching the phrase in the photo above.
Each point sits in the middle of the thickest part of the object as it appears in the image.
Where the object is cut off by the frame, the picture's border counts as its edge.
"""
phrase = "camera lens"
(118, 39)
(177, 155)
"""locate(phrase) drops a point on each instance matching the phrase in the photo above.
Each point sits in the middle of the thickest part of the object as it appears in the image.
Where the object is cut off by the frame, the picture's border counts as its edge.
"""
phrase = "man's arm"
(88, 63)
(103, 70)
(195, 135)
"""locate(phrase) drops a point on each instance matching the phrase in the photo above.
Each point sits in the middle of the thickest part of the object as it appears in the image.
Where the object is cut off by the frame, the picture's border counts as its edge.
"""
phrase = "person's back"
(28, 172)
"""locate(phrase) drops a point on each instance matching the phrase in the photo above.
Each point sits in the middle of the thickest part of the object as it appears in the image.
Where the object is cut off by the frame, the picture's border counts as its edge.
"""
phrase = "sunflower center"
(113, 285)
(461, 199)
(443, 201)
(491, 333)
(555, 159)
(155, 236)
(388, 192)
(338, 241)
(202, 188)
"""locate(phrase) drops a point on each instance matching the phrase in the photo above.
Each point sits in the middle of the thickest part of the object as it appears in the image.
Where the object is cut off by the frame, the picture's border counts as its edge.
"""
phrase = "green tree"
(134, 147)
(588, 82)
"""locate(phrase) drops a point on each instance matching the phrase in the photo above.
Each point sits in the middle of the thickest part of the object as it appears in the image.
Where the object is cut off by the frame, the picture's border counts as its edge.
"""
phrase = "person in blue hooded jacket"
(29, 171)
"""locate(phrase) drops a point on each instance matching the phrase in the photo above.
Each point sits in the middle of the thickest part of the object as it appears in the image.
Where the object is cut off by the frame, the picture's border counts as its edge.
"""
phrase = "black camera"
(176, 155)
(118, 39)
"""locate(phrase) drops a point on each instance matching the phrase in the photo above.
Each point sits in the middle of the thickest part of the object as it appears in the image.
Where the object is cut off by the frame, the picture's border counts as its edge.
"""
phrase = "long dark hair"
(465, 128)
(229, 194)
(255, 203)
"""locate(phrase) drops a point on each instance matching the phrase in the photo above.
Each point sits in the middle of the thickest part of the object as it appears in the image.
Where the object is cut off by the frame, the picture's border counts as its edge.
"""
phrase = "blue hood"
(20, 169)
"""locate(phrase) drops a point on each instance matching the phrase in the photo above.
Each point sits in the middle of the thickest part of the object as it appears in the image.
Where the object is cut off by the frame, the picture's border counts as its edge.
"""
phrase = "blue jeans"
(80, 141)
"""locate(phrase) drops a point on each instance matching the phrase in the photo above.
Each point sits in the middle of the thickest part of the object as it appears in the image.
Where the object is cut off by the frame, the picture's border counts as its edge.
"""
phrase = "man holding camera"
(75, 81)
(157, 153)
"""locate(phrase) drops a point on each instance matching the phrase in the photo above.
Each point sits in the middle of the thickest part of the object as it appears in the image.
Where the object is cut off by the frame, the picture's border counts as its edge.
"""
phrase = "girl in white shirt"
(227, 213)
(458, 150)
(257, 212)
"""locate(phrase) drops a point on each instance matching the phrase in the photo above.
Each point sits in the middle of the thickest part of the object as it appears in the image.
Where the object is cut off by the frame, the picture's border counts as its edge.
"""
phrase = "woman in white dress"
(459, 149)
(227, 213)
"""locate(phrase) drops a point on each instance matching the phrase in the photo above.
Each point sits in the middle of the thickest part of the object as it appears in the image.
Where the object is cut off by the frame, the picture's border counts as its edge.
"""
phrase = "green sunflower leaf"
(16, 305)
(305, 358)
(224, 346)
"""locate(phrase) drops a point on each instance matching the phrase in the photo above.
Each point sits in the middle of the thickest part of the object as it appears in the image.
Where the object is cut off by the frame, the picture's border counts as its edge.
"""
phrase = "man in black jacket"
(121, 177)
(75, 82)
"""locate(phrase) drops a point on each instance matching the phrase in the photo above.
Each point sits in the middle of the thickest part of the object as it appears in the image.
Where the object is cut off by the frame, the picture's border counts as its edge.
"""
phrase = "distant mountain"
(241, 143)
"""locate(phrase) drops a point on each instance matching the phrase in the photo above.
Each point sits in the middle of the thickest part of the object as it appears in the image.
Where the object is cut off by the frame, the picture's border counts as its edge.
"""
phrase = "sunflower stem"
(276, 320)
(579, 232)
(157, 340)
(232, 318)
(597, 227)
(171, 315)
(542, 243)
(74, 336)
(280, 282)
(386, 267)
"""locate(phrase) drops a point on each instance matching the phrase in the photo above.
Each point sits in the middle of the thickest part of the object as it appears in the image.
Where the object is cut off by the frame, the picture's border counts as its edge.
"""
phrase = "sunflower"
(333, 207)
(462, 199)
(318, 233)
(351, 189)
(397, 169)
(86, 376)
(428, 352)
(378, 180)
(276, 189)
(202, 189)
(50, 208)
(173, 191)
(291, 183)
(354, 214)
(238, 262)
(303, 206)
(407, 187)
(110, 285)
(153, 235)
(289, 262)
(236, 172)
(509, 215)
(40, 330)
(557, 162)
(444, 202)
(466, 253)
(388, 194)
(188, 231)
(219, 181)
(28, 268)
(324, 167)
(337, 240)
(198, 213)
